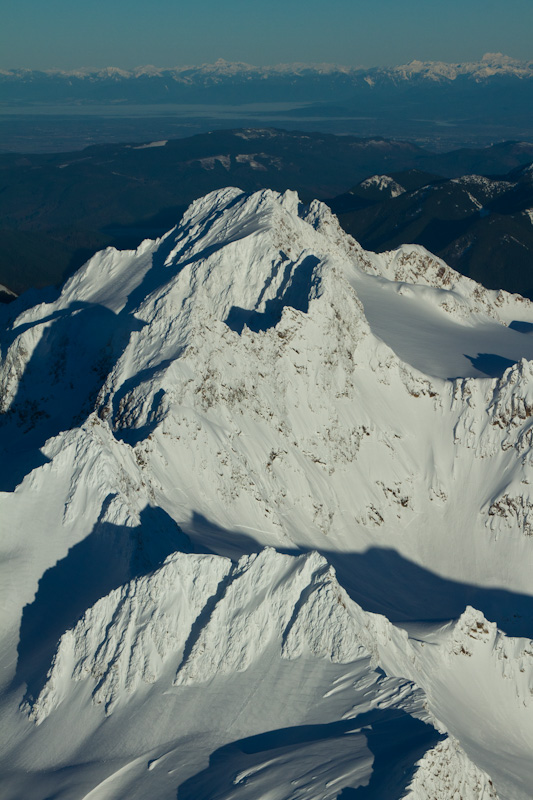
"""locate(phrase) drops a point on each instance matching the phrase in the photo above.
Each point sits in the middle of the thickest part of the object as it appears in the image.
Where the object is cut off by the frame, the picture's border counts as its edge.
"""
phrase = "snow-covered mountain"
(267, 520)
(490, 65)
(481, 226)
(237, 83)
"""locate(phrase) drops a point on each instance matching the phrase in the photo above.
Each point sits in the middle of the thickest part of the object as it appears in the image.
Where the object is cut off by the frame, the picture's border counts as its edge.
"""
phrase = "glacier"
(267, 521)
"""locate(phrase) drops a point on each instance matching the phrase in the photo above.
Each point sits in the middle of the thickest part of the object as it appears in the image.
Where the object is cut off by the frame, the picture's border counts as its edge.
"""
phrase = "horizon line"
(500, 59)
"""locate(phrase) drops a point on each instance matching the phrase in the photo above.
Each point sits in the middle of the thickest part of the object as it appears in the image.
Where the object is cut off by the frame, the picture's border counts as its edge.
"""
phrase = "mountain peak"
(246, 468)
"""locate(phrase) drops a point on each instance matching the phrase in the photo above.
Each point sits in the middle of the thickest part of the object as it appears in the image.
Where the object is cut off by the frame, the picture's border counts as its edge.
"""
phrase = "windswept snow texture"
(267, 521)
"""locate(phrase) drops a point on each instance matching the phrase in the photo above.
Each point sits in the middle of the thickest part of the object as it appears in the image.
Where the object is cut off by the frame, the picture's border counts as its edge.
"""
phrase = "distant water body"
(145, 110)
(42, 127)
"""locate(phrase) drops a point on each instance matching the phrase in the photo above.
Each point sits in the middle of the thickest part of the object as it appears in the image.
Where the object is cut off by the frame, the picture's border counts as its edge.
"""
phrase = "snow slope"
(253, 380)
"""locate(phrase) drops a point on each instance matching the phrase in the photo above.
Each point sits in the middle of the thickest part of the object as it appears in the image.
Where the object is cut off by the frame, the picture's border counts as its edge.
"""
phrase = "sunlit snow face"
(353, 418)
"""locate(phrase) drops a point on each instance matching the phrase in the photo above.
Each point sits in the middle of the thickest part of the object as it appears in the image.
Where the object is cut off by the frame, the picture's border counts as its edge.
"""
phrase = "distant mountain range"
(57, 210)
(224, 81)
(443, 106)
(415, 86)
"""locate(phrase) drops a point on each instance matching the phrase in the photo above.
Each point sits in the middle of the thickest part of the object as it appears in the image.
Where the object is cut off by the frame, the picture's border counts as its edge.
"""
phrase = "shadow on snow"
(383, 581)
(60, 382)
(394, 738)
(106, 559)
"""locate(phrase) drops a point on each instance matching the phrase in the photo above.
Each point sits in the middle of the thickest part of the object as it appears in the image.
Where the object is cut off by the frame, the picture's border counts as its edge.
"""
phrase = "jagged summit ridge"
(255, 378)
(259, 311)
(200, 618)
(131, 634)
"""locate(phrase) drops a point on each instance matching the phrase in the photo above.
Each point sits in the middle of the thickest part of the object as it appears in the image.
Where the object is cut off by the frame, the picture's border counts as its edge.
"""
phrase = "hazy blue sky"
(68, 34)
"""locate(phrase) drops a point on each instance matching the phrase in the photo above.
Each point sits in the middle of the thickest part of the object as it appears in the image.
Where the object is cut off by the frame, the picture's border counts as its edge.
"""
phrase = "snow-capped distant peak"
(492, 64)
(383, 183)
(7, 292)
(487, 187)
(160, 143)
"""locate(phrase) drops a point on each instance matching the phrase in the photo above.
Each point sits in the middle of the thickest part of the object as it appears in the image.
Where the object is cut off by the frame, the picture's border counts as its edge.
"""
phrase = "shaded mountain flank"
(56, 210)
